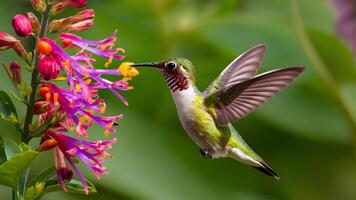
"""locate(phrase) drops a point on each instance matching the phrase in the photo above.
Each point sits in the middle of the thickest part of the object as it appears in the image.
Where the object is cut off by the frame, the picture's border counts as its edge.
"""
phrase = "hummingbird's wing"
(242, 68)
(236, 101)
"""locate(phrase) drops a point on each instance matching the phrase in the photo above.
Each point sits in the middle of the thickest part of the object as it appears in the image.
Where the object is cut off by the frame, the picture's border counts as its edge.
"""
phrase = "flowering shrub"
(54, 111)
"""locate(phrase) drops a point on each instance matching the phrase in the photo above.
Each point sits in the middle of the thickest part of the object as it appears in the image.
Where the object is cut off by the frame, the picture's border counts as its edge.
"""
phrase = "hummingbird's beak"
(148, 64)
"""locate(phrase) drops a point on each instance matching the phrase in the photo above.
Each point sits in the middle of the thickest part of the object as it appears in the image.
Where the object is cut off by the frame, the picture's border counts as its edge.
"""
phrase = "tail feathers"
(255, 162)
(264, 168)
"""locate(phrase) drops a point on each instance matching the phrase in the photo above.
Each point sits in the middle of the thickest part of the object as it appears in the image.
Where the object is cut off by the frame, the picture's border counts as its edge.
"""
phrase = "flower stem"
(25, 137)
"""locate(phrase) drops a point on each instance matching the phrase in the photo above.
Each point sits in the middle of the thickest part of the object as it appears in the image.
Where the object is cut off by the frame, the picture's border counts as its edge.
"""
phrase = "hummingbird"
(207, 116)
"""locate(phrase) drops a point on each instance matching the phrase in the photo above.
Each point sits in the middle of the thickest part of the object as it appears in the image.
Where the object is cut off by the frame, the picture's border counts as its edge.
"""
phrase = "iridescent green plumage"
(235, 93)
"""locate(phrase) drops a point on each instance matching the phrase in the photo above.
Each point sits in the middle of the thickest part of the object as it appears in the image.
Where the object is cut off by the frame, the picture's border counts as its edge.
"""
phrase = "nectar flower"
(15, 70)
(22, 25)
(91, 153)
(80, 70)
(48, 67)
(79, 109)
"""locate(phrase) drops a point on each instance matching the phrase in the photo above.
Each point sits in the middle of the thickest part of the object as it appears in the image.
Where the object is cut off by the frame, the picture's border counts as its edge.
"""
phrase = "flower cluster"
(75, 105)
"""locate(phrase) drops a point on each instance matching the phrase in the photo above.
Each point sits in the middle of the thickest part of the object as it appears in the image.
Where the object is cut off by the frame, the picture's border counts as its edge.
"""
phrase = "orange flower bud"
(44, 48)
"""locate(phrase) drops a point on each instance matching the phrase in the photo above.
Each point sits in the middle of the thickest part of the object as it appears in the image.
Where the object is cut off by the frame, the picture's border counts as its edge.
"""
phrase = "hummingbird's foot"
(205, 153)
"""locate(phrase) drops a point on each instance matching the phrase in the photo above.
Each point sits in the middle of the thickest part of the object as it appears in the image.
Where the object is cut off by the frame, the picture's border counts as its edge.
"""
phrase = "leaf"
(336, 56)
(2, 151)
(44, 175)
(13, 168)
(74, 186)
(7, 108)
(11, 149)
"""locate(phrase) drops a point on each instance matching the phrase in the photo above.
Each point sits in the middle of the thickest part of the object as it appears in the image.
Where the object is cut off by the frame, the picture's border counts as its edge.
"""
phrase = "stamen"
(108, 62)
(106, 132)
(78, 87)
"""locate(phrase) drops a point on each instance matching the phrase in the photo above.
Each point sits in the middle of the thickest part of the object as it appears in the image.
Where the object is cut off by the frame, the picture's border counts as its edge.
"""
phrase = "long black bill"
(148, 64)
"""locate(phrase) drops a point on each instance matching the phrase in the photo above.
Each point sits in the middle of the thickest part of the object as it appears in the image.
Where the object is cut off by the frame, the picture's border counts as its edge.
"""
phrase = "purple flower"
(79, 109)
(91, 153)
(79, 67)
(346, 21)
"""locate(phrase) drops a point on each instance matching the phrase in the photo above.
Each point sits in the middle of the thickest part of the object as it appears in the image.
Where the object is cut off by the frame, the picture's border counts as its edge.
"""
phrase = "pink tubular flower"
(22, 25)
(15, 70)
(91, 153)
(7, 41)
(77, 3)
(79, 22)
(79, 67)
(48, 67)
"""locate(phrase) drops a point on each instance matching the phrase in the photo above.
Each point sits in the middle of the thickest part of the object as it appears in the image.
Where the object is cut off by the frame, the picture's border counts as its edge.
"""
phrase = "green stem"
(34, 81)
(26, 135)
(314, 57)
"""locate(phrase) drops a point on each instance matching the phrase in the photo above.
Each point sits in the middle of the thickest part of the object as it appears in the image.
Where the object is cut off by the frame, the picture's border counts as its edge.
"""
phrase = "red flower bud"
(7, 41)
(41, 107)
(79, 22)
(77, 3)
(58, 8)
(48, 67)
(15, 70)
(67, 44)
(47, 144)
(38, 5)
(34, 22)
(43, 91)
(22, 25)
(66, 173)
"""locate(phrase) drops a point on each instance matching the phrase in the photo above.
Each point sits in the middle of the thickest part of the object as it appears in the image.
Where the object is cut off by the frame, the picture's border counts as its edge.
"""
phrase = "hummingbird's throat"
(176, 81)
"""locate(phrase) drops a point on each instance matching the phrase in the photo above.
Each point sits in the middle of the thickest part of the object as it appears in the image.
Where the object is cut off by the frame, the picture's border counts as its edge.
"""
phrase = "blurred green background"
(303, 132)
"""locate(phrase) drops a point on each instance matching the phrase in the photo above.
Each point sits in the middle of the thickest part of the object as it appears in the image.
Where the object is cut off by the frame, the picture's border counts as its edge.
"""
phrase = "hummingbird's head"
(179, 73)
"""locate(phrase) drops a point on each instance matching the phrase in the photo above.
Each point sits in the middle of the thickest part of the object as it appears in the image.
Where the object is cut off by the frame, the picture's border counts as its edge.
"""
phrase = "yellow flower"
(127, 70)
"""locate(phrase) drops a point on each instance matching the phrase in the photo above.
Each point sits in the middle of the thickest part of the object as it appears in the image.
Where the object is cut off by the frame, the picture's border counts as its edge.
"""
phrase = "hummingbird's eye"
(171, 66)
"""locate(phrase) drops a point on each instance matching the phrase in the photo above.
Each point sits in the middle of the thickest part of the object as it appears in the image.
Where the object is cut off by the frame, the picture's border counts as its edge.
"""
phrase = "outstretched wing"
(242, 68)
(235, 101)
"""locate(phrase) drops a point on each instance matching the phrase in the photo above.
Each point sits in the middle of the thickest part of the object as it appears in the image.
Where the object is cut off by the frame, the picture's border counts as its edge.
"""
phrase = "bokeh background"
(306, 133)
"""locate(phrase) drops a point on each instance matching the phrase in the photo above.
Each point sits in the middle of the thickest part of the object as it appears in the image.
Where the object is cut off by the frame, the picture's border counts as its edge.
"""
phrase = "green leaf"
(74, 186)
(2, 151)
(44, 175)
(336, 56)
(11, 149)
(7, 108)
(13, 168)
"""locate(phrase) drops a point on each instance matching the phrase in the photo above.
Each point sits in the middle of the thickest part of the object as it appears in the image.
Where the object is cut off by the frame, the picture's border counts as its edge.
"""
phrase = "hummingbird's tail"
(253, 160)
(264, 168)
